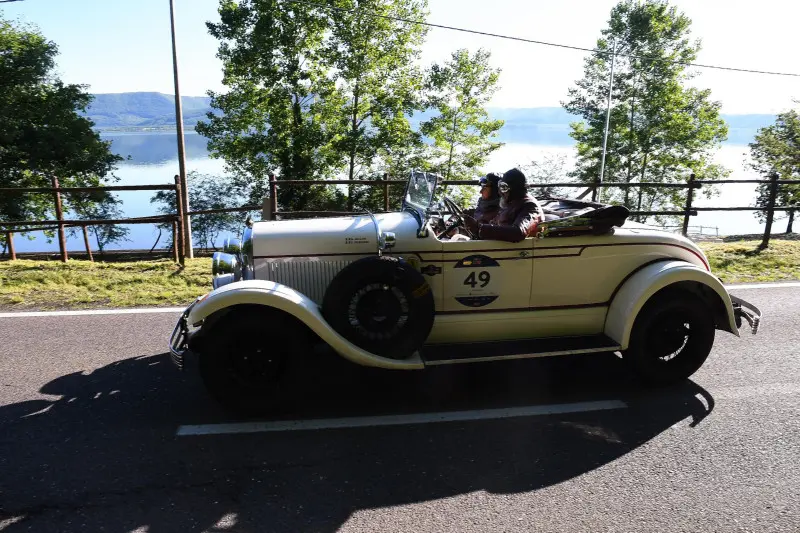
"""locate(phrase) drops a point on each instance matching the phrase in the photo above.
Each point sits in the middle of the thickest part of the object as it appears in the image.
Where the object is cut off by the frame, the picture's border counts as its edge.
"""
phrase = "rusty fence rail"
(270, 208)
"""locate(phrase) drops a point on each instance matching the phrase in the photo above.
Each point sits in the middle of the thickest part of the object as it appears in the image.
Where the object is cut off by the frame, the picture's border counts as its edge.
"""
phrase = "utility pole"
(608, 114)
(187, 225)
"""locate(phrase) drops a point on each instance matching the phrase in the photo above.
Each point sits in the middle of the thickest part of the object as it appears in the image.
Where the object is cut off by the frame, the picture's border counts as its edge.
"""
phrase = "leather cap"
(515, 179)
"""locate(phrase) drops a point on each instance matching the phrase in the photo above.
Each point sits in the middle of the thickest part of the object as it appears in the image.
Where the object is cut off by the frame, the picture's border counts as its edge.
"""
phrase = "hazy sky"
(124, 45)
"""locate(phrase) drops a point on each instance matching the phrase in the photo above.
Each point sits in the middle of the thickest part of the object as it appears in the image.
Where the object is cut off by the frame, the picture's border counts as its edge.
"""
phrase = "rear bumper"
(751, 313)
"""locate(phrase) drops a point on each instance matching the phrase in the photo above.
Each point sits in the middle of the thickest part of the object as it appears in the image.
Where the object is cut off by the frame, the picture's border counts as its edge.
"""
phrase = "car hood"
(329, 236)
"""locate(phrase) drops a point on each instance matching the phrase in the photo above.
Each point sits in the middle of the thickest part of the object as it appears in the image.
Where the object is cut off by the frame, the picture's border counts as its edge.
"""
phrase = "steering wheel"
(458, 218)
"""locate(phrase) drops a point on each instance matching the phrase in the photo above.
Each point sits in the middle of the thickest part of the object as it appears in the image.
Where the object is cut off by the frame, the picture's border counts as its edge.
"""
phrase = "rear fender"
(634, 293)
(288, 300)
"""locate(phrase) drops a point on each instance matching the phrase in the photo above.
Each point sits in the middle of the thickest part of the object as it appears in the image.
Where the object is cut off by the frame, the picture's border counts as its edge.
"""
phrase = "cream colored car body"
(483, 290)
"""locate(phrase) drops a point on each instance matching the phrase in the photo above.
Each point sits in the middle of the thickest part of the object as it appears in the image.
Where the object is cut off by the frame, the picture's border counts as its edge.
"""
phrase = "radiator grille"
(308, 277)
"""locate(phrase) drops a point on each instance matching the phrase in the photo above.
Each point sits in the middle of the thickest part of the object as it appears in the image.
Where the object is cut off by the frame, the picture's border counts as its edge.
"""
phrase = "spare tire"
(382, 305)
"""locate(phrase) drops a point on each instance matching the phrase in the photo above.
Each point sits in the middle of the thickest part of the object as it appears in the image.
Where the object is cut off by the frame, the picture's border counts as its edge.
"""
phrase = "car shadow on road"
(104, 454)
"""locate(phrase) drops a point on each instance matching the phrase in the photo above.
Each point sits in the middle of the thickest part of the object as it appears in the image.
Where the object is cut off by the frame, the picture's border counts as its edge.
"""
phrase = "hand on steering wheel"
(458, 215)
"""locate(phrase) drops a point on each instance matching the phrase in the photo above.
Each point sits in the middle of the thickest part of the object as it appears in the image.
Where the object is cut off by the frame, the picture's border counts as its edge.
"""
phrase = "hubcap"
(252, 365)
(378, 311)
(669, 335)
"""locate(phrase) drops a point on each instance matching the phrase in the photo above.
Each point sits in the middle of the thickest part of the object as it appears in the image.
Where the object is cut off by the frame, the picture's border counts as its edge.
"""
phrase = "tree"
(278, 111)
(378, 83)
(206, 192)
(462, 132)
(43, 133)
(660, 130)
(99, 206)
(550, 168)
(777, 149)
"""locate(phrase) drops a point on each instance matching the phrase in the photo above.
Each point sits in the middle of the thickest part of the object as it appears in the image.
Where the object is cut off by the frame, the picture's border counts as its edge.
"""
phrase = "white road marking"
(397, 420)
(82, 312)
(777, 285)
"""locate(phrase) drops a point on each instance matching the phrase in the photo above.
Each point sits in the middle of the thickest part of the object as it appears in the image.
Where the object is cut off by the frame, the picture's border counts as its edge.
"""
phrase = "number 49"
(483, 277)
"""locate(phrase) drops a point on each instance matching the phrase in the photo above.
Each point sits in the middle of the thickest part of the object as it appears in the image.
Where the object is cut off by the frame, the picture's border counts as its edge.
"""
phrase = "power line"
(544, 43)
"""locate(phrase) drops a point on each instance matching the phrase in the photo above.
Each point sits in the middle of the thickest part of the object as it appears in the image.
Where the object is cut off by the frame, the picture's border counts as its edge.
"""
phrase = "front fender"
(288, 300)
(634, 293)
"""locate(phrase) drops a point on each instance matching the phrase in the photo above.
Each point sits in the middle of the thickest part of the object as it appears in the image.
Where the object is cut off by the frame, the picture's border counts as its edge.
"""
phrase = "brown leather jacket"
(516, 221)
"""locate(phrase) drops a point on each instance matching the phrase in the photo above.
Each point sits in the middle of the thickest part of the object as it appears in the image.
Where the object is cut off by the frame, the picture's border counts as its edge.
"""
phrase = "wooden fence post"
(86, 242)
(179, 235)
(175, 230)
(10, 241)
(689, 198)
(773, 193)
(386, 192)
(62, 240)
(273, 197)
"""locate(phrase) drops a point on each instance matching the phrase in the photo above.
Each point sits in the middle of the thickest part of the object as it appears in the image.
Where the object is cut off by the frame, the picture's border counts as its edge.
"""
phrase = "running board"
(479, 352)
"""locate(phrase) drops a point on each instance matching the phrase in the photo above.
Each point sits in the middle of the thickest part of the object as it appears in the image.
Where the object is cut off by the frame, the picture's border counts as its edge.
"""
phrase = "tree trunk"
(86, 242)
(630, 143)
(639, 206)
(641, 179)
(293, 173)
(99, 244)
(353, 129)
(790, 223)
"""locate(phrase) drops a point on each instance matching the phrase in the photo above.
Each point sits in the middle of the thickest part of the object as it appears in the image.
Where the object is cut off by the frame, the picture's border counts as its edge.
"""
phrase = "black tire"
(671, 338)
(245, 358)
(382, 305)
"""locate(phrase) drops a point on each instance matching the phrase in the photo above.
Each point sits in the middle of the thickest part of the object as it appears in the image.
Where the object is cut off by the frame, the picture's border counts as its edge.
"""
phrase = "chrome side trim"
(531, 355)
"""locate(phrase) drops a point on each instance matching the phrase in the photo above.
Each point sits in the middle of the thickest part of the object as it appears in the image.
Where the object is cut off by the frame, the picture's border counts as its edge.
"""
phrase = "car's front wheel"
(245, 357)
(671, 338)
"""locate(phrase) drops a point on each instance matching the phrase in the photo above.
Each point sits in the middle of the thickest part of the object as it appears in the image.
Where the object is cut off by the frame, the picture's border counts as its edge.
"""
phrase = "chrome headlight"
(231, 246)
(225, 268)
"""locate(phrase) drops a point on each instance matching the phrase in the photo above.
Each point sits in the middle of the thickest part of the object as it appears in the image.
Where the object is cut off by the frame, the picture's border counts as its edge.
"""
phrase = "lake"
(153, 160)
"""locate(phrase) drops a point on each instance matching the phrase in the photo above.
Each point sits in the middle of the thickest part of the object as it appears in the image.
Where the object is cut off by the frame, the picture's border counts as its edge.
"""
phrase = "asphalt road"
(90, 407)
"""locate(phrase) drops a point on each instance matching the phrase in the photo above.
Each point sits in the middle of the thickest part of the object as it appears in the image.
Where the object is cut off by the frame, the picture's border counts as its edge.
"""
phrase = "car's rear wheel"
(245, 358)
(671, 338)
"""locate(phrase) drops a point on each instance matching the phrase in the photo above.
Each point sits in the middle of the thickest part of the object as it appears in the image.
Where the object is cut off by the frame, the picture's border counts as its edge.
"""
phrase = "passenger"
(519, 216)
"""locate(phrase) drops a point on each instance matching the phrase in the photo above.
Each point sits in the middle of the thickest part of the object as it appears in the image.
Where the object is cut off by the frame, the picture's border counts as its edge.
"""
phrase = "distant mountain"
(145, 110)
(539, 125)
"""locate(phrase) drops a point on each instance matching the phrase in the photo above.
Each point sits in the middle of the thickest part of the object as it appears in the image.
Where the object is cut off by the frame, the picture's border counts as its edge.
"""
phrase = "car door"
(486, 275)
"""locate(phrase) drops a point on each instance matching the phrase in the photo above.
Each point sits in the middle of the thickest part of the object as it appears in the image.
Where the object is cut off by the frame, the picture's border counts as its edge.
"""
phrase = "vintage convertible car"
(390, 290)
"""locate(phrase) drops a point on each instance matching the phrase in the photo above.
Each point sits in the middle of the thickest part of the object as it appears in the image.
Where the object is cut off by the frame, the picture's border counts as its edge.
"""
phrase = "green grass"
(28, 285)
(741, 262)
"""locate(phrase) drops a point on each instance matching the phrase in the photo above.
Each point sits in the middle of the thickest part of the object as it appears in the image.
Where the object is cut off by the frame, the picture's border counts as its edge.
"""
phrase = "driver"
(519, 215)
(489, 202)
(488, 205)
